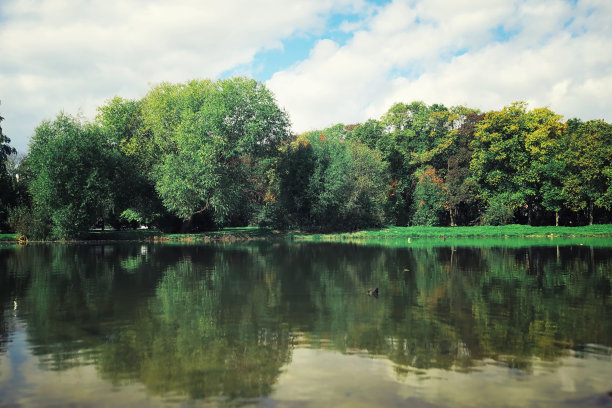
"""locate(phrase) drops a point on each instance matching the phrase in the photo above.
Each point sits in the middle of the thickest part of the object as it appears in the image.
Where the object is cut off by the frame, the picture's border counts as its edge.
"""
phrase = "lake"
(287, 324)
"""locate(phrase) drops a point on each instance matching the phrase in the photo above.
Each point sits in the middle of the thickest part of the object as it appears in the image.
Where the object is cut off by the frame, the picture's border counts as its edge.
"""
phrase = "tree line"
(206, 154)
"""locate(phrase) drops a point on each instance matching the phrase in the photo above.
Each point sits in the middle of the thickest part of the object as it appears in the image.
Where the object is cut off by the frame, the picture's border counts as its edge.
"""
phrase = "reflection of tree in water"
(66, 295)
(202, 327)
(207, 333)
(11, 289)
(221, 321)
(4, 328)
(451, 307)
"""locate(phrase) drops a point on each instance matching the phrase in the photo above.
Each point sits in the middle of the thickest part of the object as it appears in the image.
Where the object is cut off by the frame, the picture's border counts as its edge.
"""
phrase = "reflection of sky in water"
(325, 378)
(24, 382)
(321, 377)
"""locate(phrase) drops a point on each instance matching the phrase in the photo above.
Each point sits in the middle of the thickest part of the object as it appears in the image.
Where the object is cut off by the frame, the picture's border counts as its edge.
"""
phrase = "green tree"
(417, 136)
(327, 182)
(122, 122)
(513, 160)
(588, 156)
(430, 198)
(206, 139)
(405, 127)
(546, 166)
(75, 170)
(6, 181)
(499, 152)
(5, 149)
(370, 134)
(461, 187)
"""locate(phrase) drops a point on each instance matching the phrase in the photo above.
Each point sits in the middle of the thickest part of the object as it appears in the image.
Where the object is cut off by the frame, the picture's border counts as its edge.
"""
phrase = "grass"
(455, 232)
(224, 235)
(480, 242)
(8, 237)
(388, 235)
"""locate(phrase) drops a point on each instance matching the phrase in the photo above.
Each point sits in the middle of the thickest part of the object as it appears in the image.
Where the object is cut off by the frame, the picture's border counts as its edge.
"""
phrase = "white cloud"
(74, 54)
(483, 54)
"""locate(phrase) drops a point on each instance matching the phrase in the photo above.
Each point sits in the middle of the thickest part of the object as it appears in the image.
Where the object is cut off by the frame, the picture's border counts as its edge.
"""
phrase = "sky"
(326, 61)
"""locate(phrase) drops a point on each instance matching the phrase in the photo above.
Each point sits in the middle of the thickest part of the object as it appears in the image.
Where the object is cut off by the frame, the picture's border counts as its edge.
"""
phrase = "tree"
(461, 188)
(329, 183)
(513, 159)
(205, 139)
(6, 182)
(499, 151)
(75, 170)
(588, 156)
(369, 133)
(546, 166)
(122, 122)
(430, 198)
(418, 136)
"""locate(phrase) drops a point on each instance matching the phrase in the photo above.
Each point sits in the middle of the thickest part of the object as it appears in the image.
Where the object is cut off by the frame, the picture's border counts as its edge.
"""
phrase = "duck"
(373, 292)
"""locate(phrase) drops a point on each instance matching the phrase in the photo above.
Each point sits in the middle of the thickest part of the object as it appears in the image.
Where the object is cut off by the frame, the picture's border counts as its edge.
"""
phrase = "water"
(290, 325)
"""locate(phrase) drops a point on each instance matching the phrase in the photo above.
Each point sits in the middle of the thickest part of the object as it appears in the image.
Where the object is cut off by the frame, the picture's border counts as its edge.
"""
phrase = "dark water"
(291, 325)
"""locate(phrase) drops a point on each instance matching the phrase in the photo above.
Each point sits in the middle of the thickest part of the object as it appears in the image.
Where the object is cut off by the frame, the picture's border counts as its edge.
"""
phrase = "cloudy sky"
(327, 61)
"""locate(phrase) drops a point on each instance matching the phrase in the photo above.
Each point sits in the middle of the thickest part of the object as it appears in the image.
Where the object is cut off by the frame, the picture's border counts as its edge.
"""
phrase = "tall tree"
(512, 148)
(122, 122)
(6, 182)
(588, 156)
(327, 182)
(206, 138)
(546, 167)
(75, 170)
(5, 149)
(430, 198)
(461, 187)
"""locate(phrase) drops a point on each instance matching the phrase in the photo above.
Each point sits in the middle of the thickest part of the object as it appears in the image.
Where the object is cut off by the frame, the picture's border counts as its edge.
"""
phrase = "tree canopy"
(209, 153)
(6, 182)
(76, 173)
(207, 137)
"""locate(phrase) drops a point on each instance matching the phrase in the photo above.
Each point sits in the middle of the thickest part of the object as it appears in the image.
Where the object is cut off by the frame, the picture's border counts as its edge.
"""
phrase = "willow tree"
(76, 171)
(205, 140)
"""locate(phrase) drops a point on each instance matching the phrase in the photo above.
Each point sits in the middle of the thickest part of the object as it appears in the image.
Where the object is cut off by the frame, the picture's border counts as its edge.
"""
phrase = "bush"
(69, 222)
(29, 223)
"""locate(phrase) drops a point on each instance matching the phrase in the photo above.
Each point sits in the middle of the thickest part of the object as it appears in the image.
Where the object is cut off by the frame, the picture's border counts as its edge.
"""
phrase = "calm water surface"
(290, 325)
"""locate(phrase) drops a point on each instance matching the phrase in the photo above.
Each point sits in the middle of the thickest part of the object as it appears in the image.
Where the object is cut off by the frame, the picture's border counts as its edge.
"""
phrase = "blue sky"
(326, 61)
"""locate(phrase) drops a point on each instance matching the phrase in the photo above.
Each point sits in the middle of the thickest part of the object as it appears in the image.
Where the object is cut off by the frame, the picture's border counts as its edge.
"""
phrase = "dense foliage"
(6, 182)
(205, 154)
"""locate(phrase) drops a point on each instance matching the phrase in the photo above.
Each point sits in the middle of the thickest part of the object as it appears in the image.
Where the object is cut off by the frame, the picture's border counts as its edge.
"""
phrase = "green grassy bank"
(481, 231)
(391, 234)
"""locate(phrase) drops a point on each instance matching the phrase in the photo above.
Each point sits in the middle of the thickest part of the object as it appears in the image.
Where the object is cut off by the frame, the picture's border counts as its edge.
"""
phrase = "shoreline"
(229, 235)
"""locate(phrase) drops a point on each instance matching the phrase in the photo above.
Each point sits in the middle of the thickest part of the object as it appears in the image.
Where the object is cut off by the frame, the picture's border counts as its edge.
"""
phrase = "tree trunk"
(186, 226)
(451, 212)
(591, 213)
(556, 218)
